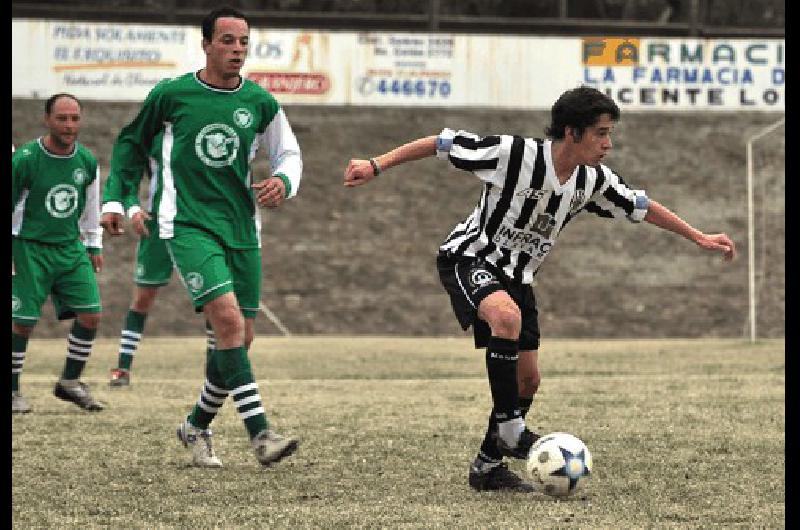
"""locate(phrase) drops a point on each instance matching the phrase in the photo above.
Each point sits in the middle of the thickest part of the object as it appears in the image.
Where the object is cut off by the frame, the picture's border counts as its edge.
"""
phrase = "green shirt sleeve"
(129, 155)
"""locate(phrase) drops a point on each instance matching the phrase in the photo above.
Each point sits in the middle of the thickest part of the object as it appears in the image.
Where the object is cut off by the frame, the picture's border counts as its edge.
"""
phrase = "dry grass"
(684, 434)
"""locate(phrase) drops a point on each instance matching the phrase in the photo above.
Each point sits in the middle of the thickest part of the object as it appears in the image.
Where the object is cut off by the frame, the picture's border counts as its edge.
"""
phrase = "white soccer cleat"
(19, 405)
(199, 442)
(270, 446)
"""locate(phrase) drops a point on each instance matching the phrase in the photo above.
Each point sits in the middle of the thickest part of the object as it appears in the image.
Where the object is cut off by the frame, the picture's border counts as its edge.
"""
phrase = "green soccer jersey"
(198, 142)
(55, 199)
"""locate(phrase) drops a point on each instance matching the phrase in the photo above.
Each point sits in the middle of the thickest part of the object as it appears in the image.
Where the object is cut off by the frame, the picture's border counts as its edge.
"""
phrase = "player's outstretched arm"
(362, 171)
(660, 216)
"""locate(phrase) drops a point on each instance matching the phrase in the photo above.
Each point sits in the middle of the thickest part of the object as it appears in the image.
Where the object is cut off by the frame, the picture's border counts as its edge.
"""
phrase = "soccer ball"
(557, 463)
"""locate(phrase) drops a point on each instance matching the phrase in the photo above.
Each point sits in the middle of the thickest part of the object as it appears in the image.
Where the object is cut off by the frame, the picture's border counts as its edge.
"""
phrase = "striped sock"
(212, 397)
(19, 345)
(248, 405)
(79, 347)
(234, 365)
(130, 337)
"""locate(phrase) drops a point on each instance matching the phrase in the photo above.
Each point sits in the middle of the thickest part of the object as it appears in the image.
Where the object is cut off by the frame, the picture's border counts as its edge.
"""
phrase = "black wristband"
(376, 169)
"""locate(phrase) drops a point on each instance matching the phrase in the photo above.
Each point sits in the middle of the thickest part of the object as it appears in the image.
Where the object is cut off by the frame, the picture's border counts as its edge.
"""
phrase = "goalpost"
(750, 225)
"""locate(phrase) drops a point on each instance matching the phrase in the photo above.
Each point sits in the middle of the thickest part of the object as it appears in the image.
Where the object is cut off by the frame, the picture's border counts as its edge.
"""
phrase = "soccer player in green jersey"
(56, 243)
(198, 134)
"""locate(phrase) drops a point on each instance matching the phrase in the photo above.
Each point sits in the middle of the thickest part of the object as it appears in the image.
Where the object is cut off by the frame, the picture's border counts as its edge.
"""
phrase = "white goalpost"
(751, 273)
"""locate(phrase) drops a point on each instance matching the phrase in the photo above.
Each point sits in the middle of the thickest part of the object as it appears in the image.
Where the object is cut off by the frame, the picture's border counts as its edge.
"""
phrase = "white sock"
(510, 430)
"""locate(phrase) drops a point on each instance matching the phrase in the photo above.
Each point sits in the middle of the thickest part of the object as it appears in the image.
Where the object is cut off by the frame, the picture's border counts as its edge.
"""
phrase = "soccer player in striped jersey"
(200, 132)
(531, 189)
(56, 244)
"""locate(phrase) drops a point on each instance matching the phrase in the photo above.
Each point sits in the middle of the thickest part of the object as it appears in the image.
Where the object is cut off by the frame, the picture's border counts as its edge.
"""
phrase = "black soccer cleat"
(526, 439)
(497, 478)
(79, 395)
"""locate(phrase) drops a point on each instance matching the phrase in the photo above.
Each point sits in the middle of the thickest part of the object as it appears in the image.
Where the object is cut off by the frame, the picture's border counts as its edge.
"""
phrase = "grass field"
(684, 434)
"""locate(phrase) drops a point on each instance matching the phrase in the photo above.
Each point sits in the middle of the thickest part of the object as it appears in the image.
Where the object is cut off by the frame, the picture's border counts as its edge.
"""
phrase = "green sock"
(130, 337)
(19, 345)
(213, 395)
(234, 365)
(78, 350)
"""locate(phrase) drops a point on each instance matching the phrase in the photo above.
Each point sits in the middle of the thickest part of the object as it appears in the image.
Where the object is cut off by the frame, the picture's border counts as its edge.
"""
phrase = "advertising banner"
(98, 60)
(123, 62)
(684, 74)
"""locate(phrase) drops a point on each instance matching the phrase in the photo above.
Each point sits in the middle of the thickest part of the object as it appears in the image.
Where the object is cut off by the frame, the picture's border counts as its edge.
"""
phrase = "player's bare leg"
(488, 472)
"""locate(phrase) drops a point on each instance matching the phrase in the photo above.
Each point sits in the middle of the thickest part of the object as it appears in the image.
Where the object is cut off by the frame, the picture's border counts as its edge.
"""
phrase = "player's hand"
(138, 222)
(358, 172)
(720, 242)
(112, 223)
(97, 262)
(270, 192)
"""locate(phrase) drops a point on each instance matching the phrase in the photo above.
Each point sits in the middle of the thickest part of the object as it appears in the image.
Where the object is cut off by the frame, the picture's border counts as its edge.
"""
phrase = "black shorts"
(469, 280)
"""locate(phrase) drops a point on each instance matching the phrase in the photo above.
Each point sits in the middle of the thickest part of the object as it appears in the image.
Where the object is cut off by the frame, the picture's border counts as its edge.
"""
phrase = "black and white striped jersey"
(523, 207)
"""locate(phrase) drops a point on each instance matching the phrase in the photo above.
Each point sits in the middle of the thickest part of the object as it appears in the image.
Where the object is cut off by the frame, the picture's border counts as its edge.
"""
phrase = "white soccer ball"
(558, 463)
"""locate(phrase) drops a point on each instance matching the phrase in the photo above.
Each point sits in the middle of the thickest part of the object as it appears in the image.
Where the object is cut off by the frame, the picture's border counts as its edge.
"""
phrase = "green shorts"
(62, 271)
(153, 264)
(210, 269)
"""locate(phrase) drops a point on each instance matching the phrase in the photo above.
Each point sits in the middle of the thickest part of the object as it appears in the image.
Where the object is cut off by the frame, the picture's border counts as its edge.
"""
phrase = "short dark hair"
(211, 19)
(579, 108)
(48, 105)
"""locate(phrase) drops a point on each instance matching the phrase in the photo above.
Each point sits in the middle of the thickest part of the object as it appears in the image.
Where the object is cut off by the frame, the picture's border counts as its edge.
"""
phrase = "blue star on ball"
(574, 467)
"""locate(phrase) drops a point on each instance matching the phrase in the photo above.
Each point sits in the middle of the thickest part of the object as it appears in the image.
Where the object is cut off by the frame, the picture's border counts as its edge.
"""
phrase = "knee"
(143, 300)
(89, 320)
(506, 323)
(229, 322)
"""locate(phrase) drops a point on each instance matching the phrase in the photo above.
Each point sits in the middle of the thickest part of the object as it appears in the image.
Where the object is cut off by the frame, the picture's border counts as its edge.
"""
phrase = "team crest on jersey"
(79, 176)
(194, 280)
(217, 145)
(243, 118)
(61, 200)
(16, 303)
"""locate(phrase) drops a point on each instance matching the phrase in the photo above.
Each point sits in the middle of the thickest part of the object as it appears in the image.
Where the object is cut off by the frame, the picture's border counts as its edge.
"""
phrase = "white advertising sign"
(686, 74)
(98, 60)
(113, 61)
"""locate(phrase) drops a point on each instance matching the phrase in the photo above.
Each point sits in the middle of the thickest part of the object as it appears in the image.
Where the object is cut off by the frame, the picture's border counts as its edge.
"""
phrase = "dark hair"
(579, 108)
(48, 105)
(211, 19)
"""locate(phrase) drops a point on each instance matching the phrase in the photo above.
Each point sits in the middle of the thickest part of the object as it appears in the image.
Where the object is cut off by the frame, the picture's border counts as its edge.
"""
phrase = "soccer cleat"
(19, 405)
(498, 477)
(270, 446)
(78, 394)
(119, 377)
(199, 442)
(526, 439)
